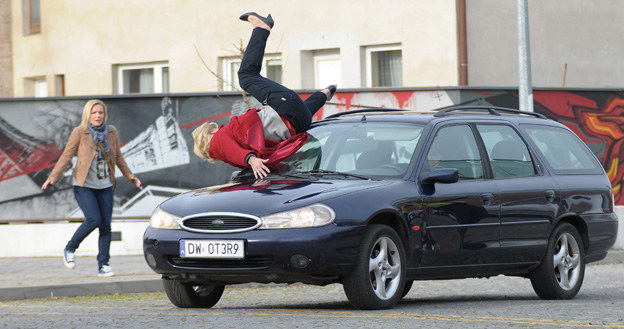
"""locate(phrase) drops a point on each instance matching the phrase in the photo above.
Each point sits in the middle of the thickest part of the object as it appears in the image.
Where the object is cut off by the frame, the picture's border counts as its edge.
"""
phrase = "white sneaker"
(106, 270)
(69, 259)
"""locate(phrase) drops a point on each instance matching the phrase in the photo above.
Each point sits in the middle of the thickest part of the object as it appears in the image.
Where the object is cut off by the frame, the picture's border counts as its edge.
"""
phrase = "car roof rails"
(493, 110)
(377, 110)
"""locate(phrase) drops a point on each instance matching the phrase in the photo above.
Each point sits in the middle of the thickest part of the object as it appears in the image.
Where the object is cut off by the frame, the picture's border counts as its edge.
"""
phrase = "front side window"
(508, 154)
(142, 78)
(564, 152)
(369, 149)
(455, 147)
(384, 66)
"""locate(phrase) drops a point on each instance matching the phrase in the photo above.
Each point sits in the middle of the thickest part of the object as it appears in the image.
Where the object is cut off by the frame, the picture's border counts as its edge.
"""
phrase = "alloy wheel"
(385, 268)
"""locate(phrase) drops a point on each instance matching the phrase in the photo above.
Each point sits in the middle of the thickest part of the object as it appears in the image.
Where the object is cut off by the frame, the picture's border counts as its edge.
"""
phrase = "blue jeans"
(97, 206)
(283, 100)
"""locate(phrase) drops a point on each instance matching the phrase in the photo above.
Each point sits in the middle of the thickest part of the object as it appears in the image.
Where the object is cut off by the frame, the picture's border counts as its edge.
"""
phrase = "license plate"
(212, 249)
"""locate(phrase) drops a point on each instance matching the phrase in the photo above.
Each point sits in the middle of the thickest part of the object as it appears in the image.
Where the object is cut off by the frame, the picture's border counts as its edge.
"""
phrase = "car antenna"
(363, 118)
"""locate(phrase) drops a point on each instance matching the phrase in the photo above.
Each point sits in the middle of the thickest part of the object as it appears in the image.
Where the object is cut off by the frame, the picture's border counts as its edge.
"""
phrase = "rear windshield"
(563, 150)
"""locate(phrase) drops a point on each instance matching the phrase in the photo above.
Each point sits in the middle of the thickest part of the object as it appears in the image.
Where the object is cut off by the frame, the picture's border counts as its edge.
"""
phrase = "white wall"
(44, 240)
(619, 243)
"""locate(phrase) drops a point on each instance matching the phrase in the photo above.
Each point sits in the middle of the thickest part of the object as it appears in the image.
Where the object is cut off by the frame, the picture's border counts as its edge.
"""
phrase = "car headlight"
(164, 220)
(310, 216)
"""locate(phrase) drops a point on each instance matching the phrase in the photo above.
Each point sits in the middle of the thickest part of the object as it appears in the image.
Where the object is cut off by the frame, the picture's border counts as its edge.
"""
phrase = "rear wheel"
(561, 273)
(188, 295)
(378, 279)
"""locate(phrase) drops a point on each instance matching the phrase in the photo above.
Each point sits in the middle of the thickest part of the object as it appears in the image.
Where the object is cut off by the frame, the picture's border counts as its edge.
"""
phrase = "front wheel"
(187, 295)
(378, 279)
(560, 275)
(407, 287)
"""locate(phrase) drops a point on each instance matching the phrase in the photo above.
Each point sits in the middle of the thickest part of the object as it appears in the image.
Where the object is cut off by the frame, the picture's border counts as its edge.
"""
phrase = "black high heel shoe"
(267, 20)
(332, 91)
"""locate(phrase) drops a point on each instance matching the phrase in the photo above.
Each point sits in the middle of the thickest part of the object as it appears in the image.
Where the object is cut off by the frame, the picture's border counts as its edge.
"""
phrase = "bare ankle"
(257, 22)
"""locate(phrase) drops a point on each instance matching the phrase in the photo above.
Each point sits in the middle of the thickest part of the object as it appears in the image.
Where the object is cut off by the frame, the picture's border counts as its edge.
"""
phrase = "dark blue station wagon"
(377, 199)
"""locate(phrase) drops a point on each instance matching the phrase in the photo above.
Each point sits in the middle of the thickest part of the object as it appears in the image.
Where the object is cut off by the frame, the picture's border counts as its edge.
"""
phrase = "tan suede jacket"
(81, 143)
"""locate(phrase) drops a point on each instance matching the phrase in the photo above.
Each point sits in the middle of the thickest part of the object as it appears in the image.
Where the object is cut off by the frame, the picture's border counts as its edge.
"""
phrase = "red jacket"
(244, 134)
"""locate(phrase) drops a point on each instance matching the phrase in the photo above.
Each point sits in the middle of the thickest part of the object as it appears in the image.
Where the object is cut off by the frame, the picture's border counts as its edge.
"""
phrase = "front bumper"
(270, 255)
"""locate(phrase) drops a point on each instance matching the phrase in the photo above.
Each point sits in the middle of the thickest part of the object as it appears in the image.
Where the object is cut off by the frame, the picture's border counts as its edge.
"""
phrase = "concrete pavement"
(38, 277)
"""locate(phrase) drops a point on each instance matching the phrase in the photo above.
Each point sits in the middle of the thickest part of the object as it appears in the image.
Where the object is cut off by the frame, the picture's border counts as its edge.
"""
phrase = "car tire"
(187, 295)
(378, 279)
(407, 287)
(561, 272)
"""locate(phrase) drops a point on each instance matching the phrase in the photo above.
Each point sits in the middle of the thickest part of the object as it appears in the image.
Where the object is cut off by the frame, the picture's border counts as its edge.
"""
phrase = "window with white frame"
(271, 69)
(36, 87)
(384, 66)
(41, 88)
(144, 78)
(327, 68)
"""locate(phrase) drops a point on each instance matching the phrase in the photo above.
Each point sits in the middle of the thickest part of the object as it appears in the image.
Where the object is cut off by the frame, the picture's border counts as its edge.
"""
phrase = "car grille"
(220, 223)
(247, 263)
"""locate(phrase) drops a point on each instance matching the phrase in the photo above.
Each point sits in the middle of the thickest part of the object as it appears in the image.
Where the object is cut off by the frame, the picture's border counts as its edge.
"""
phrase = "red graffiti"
(403, 97)
(594, 124)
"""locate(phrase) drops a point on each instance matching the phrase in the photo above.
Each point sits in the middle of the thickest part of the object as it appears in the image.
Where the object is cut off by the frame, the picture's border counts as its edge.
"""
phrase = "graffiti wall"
(155, 134)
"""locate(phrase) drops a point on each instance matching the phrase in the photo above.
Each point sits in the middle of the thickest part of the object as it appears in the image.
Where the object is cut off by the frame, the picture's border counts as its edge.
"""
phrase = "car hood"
(263, 197)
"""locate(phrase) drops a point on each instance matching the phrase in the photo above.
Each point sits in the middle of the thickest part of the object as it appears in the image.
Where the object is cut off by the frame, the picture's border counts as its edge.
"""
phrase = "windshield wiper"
(330, 172)
(296, 175)
(248, 175)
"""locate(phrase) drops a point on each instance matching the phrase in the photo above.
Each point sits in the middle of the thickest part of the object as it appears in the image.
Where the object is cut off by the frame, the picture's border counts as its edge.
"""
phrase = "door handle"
(550, 195)
(487, 198)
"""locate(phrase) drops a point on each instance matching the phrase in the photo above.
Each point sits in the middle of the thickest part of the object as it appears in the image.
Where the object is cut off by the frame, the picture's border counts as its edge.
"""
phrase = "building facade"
(6, 58)
(77, 47)
(115, 47)
(574, 43)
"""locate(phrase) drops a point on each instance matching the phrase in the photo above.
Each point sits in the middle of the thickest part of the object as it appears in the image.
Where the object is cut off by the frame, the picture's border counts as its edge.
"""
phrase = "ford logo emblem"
(218, 222)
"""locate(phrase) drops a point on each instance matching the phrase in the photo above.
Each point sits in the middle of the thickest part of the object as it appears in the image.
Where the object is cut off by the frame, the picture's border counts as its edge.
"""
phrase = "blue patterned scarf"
(99, 134)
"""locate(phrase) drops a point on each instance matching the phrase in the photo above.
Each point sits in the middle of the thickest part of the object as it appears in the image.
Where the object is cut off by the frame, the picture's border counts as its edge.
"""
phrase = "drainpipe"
(463, 48)
(525, 89)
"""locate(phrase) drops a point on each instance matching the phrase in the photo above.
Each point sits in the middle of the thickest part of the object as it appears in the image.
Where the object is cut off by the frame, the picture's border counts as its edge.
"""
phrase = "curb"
(80, 289)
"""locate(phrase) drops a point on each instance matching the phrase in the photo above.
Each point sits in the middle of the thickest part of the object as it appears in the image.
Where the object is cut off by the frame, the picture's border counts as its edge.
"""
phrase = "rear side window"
(508, 154)
(564, 151)
(456, 147)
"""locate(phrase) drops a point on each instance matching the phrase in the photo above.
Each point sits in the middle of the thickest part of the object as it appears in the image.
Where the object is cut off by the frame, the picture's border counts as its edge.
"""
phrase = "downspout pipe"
(463, 47)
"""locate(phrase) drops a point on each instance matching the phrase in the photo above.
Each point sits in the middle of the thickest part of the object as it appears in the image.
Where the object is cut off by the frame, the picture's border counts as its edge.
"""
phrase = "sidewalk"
(38, 277)
(28, 278)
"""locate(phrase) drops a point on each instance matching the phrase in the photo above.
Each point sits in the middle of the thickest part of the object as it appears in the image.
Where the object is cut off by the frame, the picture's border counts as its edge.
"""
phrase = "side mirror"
(444, 175)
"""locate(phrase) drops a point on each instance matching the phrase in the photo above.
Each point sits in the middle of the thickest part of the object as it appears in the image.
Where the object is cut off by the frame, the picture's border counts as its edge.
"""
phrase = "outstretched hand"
(136, 181)
(46, 183)
(260, 170)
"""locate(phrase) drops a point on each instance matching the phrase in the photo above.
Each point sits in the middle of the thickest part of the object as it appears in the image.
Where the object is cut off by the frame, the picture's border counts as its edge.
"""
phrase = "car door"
(528, 198)
(461, 220)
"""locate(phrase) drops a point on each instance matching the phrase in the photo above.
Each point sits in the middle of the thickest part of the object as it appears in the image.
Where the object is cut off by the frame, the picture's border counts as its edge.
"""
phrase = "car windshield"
(362, 149)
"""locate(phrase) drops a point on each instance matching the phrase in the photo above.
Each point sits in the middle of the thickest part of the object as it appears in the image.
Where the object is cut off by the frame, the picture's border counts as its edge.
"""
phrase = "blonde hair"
(86, 111)
(201, 137)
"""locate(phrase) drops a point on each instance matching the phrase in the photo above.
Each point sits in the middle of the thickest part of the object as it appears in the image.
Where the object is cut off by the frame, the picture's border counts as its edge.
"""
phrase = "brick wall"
(6, 55)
